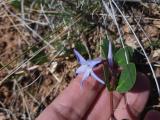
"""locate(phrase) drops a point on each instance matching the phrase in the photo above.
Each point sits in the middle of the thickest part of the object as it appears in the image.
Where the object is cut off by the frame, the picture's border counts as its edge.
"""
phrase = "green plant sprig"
(121, 77)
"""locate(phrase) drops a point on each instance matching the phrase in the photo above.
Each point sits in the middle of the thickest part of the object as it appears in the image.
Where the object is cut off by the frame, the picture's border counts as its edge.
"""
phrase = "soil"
(30, 89)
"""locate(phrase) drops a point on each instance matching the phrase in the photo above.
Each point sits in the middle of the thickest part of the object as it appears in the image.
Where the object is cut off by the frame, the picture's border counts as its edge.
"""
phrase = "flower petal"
(110, 54)
(92, 63)
(85, 76)
(96, 77)
(80, 59)
(81, 69)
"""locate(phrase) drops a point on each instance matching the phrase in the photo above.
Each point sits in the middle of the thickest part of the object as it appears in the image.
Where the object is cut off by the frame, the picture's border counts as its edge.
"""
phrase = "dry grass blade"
(27, 26)
(31, 82)
(22, 10)
(37, 52)
(51, 26)
(23, 99)
(113, 16)
(140, 1)
(9, 112)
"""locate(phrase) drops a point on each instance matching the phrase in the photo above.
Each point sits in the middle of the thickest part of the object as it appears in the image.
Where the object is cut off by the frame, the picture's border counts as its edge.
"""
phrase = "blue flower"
(110, 55)
(87, 68)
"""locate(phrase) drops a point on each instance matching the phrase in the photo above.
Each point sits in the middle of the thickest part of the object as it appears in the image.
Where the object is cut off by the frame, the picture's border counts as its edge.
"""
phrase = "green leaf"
(120, 55)
(127, 78)
(40, 58)
(105, 48)
(81, 48)
(106, 75)
(16, 3)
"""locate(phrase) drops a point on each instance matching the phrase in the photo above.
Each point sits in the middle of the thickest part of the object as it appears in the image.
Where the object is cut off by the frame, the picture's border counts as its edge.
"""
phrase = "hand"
(93, 101)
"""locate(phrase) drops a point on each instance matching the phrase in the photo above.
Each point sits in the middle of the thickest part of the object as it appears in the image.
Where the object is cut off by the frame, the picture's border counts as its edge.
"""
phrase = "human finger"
(74, 102)
(102, 109)
(138, 95)
(133, 102)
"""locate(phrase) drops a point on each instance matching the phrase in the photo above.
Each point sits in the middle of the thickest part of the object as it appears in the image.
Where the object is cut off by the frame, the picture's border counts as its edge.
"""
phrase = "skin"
(93, 101)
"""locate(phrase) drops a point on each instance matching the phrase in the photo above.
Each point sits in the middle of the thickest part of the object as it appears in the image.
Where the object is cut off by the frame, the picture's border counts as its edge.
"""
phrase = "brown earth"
(29, 90)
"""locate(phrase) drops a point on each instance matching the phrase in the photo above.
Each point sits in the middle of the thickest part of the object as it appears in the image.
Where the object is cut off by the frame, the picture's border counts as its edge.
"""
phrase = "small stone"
(53, 67)
(151, 31)
(130, 20)
(126, 28)
(130, 40)
(156, 53)
(156, 23)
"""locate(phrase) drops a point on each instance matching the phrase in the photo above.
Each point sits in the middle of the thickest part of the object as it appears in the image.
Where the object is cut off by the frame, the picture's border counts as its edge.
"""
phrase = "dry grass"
(37, 39)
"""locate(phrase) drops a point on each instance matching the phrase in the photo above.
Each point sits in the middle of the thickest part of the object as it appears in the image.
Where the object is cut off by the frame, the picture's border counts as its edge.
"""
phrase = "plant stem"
(112, 83)
(111, 105)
